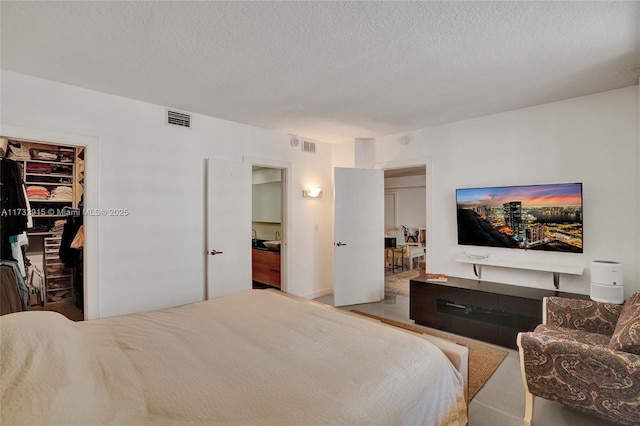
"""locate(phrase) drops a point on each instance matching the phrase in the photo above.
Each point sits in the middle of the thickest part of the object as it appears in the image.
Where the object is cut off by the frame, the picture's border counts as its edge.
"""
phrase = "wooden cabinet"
(491, 312)
(266, 267)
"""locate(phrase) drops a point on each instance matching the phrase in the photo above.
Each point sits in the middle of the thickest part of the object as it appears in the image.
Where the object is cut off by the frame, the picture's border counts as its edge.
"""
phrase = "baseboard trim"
(318, 293)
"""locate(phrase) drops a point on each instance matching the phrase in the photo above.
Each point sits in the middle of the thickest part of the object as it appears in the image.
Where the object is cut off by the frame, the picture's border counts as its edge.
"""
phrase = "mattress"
(254, 357)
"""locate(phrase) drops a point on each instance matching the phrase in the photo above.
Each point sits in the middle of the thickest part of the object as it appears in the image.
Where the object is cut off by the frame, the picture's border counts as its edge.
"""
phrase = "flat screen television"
(531, 217)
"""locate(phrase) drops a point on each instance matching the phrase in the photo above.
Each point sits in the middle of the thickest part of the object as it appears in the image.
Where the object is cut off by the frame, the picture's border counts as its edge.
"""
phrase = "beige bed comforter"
(254, 357)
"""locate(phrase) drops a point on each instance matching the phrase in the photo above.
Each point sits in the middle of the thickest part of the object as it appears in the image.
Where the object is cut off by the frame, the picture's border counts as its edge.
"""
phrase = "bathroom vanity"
(266, 267)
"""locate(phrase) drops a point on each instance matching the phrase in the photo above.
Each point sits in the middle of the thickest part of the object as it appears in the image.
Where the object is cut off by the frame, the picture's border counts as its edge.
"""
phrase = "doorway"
(50, 258)
(228, 244)
(267, 195)
(405, 218)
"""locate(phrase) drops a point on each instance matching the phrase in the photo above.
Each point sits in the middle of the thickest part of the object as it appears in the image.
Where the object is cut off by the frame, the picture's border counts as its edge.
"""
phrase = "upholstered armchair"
(585, 355)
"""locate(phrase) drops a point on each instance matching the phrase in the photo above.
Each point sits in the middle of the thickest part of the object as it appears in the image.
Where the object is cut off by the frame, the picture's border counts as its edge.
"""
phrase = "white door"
(228, 227)
(358, 236)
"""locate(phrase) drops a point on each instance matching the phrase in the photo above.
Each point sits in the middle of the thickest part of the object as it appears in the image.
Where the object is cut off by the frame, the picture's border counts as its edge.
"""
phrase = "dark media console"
(486, 311)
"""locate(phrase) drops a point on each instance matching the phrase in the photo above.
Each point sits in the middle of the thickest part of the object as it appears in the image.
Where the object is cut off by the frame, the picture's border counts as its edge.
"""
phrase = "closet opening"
(267, 225)
(41, 226)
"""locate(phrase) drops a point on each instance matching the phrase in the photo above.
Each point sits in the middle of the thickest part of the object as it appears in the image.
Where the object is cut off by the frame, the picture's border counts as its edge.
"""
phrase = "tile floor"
(501, 401)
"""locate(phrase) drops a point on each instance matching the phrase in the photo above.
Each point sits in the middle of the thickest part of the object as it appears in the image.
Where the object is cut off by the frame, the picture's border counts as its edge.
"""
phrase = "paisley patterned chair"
(585, 355)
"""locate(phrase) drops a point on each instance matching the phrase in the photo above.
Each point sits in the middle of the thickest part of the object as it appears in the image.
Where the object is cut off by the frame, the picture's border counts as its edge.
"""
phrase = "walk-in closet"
(41, 227)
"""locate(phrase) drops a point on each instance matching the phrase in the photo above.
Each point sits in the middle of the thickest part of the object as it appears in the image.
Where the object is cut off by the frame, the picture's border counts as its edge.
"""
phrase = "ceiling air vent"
(308, 146)
(181, 119)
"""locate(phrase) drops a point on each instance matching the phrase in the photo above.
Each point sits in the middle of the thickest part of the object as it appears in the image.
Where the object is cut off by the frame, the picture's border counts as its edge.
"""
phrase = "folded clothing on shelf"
(67, 155)
(63, 169)
(41, 168)
(37, 192)
(41, 154)
(18, 151)
(62, 193)
(58, 226)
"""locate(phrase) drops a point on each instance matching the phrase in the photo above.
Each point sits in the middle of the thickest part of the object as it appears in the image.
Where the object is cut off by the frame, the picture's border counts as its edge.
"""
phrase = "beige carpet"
(484, 360)
(398, 284)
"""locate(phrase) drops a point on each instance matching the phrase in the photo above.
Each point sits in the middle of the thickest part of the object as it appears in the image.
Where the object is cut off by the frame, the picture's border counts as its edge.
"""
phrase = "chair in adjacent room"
(404, 251)
(585, 355)
(391, 262)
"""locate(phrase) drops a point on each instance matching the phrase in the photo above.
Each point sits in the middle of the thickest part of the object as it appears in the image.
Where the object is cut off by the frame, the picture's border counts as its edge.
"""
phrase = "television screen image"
(531, 217)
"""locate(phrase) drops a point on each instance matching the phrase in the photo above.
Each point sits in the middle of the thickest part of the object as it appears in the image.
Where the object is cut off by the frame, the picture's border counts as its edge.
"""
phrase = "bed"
(255, 357)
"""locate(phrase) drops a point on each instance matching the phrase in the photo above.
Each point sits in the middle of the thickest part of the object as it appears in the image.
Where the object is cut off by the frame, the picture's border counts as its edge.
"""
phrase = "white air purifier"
(607, 282)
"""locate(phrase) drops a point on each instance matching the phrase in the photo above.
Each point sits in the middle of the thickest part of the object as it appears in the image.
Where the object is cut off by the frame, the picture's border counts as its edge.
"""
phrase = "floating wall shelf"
(556, 270)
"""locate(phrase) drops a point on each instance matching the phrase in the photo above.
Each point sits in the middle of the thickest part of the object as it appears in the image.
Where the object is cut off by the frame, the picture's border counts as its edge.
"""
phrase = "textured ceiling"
(330, 71)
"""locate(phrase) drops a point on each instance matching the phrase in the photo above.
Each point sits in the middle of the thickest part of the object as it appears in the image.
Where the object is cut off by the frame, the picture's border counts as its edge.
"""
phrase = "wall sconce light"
(312, 192)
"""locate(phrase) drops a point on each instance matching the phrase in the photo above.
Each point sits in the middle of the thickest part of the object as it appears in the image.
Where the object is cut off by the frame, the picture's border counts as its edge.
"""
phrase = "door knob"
(340, 244)
(214, 252)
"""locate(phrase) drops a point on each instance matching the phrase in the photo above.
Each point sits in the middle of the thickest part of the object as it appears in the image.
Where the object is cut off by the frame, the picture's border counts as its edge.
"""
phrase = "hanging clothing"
(13, 217)
(70, 256)
(78, 283)
(28, 206)
(9, 298)
(18, 282)
(78, 240)
(17, 243)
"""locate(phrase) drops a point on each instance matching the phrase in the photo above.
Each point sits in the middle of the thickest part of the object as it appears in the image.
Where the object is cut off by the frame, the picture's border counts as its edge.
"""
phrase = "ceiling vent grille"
(180, 119)
(308, 146)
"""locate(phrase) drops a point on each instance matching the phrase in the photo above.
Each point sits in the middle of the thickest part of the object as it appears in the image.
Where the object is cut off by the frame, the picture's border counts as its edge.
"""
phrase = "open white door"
(358, 236)
(228, 227)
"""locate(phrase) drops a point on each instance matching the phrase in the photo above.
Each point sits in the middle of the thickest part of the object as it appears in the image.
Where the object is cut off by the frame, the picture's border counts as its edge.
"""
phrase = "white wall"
(411, 199)
(343, 154)
(154, 257)
(591, 139)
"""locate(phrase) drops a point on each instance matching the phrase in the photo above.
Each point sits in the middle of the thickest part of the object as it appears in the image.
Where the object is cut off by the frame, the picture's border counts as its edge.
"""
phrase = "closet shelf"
(60, 276)
(57, 175)
(68, 163)
(49, 183)
(59, 285)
